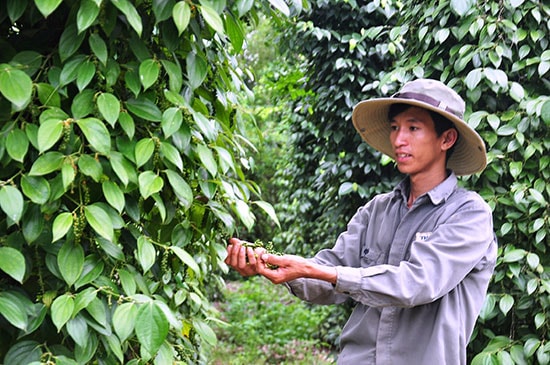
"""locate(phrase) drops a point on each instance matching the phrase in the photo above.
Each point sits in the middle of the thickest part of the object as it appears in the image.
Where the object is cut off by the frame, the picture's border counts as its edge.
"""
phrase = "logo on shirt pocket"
(423, 236)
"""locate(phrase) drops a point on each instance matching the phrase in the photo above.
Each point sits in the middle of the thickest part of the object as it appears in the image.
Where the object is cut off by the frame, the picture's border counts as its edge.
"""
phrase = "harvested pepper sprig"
(268, 247)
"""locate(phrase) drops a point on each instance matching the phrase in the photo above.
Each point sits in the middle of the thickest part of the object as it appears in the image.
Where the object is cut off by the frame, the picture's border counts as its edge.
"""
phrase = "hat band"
(429, 100)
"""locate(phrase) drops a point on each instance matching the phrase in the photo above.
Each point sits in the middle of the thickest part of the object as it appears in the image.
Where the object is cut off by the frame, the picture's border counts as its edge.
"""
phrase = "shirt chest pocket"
(371, 257)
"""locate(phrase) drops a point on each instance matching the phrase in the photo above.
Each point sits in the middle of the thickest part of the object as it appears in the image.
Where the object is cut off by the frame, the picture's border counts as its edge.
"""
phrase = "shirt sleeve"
(346, 252)
(435, 266)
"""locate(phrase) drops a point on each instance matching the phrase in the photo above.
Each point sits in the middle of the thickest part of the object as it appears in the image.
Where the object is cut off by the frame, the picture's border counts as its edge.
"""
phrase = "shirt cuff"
(350, 279)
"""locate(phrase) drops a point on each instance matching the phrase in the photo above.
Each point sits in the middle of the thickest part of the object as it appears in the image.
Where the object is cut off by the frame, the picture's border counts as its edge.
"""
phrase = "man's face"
(417, 147)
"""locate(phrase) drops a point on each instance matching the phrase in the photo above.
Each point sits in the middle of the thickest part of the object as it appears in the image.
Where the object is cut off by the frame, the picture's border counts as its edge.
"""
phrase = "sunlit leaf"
(49, 133)
(127, 124)
(62, 310)
(506, 303)
(15, 85)
(48, 162)
(131, 14)
(268, 208)
(109, 107)
(151, 327)
(46, 7)
(61, 225)
(12, 262)
(172, 119)
(96, 133)
(100, 221)
(86, 72)
(124, 320)
(149, 72)
(36, 188)
(207, 158)
(113, 195)
(181, 13)
(12, 311)
(186, 258)
(212, 18)
(281, 6)
(171, 154)
(90, 166)
(205, 331)
(144, 151)
(181, 188)
(149, 183)
(146, 253)
(11, 202)
(17, 144)
(87, 14)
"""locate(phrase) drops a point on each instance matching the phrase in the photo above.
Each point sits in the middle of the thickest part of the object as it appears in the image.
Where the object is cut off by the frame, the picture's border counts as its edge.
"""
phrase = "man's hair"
(441, 123)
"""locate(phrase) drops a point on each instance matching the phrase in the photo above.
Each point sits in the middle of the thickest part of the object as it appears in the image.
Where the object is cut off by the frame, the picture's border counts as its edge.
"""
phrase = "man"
(417, 260)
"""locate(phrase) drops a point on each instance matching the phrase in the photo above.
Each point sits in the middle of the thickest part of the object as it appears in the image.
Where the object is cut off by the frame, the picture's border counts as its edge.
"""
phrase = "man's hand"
(291, 267)
(243, 259)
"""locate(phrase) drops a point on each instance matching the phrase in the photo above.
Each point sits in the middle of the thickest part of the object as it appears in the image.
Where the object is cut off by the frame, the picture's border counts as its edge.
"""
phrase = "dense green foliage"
(123, 170)
(267, 325)
(495, 55)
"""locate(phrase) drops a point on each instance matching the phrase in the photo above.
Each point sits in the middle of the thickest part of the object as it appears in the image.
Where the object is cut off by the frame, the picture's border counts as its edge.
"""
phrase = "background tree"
(495, 54)
(123, 171)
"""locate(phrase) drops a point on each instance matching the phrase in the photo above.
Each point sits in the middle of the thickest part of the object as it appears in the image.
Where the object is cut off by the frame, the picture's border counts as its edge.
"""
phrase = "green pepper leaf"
(98, 47)
(12, 262)
(15, 85)
(131, 14)
(62, 310)
(70, 261)
(109, 107)
(212, 18)
(100, 221)
(96, 133)
(36, 188)
(11, 202)
(17, 144)
(151, 327)
(86, 15)
(181, 13)
(46, 7)
(148, 73)
(146, 253)
(144, 150)
(124, 320)
(61, 225)
(149, 183)
(48, 162)
(49, 133)
(113, 195)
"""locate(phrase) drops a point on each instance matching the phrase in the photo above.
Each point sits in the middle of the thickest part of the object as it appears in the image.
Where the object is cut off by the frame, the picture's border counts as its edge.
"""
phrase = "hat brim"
(370, 118)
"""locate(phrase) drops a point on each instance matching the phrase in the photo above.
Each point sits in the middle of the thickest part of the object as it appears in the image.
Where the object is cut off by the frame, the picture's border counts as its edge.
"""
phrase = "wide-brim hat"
(370, 118)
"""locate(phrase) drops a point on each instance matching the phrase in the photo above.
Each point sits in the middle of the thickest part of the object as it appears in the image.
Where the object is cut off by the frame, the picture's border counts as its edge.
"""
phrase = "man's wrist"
(321, 272)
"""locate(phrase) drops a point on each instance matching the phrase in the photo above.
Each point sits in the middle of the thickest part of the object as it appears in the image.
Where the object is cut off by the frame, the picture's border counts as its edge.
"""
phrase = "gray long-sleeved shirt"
(418, 274)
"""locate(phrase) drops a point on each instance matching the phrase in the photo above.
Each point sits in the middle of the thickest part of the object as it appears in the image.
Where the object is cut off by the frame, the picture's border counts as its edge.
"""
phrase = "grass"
(267, 325)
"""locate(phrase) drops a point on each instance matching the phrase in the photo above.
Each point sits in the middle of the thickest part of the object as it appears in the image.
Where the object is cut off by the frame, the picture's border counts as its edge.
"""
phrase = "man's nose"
(399, 138)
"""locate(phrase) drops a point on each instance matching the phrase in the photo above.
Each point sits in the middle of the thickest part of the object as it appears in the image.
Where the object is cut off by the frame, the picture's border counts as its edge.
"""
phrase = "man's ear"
(450, 137)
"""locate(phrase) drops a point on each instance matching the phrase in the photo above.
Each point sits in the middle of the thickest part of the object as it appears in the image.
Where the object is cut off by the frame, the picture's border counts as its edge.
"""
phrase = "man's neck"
(422, 183)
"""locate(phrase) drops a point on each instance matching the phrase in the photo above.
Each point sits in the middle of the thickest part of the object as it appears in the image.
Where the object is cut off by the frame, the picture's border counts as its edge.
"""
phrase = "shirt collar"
(437, 195)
